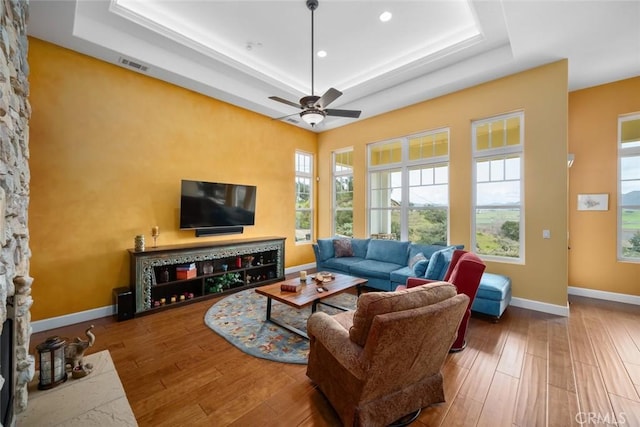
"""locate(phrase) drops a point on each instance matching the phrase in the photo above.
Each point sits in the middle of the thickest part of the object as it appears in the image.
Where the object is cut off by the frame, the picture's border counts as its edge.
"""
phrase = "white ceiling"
(242, 52)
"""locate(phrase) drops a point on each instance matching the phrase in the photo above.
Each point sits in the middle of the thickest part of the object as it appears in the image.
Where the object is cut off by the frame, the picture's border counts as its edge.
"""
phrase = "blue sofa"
(384, 263)
(389, 263)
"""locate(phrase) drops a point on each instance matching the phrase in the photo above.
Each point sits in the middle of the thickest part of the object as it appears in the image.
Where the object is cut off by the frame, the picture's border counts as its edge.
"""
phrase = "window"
(304, 197)
(343, 193)
(498, 217)
(629, 188)
(409, 188)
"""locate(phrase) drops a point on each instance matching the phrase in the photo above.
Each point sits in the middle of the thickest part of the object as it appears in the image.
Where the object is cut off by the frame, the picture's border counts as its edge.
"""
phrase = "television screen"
(215, 204)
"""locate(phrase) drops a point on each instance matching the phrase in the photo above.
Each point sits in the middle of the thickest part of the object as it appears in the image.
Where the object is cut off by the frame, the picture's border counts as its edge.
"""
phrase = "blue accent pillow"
(439, 263)
(420, 267)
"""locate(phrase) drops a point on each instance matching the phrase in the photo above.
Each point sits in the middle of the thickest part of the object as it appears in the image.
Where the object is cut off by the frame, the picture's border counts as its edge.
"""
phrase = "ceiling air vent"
(290, 120)
(133, 64)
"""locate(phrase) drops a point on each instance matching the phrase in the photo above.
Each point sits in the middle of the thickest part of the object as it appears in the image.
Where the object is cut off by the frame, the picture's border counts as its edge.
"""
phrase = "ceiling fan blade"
(328, 97)
(284, 101)
(354, 114)
(284, 117)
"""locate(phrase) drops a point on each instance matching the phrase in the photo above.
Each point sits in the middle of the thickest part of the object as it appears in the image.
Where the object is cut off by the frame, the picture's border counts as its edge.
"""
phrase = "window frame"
(623, 152)
(495, 153)
(334, 202)
(304, 175)
(404, 166)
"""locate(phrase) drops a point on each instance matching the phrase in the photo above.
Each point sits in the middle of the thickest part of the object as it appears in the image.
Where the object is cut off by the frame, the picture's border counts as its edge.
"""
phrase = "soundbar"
(200, 232)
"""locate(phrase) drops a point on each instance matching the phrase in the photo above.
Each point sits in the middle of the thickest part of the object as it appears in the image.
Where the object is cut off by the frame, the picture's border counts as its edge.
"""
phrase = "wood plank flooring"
(530, 369)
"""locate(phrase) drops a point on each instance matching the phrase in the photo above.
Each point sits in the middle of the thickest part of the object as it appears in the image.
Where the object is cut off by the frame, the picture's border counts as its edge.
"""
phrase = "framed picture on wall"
(593, 202)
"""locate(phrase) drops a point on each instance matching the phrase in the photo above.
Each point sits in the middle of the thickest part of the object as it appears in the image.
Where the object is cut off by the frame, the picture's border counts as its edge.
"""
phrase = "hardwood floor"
(530, 369)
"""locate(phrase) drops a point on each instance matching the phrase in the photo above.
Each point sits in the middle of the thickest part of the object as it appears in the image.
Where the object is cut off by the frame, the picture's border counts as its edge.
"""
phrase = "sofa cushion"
(325, 248)
(342, 248)
(400, 276)
(341, 264)
(360, 247)
(439, 263)
(372, 304)
(370, 268)
(392, 251)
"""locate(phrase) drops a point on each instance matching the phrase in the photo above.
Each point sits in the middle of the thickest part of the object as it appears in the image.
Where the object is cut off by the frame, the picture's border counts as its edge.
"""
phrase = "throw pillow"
(439, 263)
(420, 267)
(416, 258)
(342, 247)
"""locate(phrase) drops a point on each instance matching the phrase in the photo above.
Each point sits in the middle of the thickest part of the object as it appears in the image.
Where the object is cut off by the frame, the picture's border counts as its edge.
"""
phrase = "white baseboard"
(73, 318)
(543, 307)
(605, 295)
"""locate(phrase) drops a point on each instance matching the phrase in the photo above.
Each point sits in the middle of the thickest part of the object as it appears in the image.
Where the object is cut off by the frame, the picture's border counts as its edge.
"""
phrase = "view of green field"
(631, 233)
(497, 232)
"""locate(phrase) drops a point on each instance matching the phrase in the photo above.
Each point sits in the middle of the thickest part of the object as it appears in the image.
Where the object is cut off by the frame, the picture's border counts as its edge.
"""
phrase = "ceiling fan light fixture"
(312, 117)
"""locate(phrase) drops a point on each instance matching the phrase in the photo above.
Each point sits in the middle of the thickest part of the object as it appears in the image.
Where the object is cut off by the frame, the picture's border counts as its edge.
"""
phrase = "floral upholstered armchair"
(382, 361)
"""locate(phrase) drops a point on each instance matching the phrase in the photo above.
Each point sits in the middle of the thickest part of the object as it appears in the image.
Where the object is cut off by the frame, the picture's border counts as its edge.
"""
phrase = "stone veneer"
(15, 283)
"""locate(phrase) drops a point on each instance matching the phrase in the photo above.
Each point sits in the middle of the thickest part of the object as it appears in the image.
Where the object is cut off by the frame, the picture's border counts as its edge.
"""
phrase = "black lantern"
(52, 363)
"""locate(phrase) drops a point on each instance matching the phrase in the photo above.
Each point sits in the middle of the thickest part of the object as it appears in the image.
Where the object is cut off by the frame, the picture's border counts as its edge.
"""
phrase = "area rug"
(240, 319)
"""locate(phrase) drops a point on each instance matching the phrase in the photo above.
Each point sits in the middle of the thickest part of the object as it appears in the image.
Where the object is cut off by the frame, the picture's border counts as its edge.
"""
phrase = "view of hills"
(631, 198)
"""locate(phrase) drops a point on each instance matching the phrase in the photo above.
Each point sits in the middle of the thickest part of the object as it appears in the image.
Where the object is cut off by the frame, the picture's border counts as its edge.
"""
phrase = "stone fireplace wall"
(15, 282)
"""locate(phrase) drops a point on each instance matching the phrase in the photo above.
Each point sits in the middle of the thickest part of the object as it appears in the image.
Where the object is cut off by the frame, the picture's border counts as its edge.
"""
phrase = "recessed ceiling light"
(322, 53)
(385, 16)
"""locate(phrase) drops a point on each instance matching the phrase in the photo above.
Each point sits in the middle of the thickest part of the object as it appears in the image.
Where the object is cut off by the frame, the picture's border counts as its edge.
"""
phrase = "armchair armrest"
(412, 282)
(335, 339)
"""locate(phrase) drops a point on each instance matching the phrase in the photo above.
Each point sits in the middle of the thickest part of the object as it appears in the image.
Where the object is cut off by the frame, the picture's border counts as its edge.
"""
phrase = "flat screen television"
(215, 204)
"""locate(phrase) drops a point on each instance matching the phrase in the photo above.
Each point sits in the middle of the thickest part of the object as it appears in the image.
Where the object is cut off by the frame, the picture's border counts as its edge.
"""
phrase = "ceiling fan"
(314, 108)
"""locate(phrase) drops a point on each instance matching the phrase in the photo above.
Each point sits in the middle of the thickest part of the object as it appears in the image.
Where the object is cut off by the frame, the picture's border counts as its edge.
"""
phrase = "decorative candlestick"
(155, 232)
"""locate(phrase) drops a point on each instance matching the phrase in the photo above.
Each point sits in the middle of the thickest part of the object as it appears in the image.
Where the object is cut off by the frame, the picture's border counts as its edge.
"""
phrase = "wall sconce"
(570, 158)
(52, 363)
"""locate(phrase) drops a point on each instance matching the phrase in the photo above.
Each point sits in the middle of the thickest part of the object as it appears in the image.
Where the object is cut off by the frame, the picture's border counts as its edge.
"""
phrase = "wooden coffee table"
(308, 295)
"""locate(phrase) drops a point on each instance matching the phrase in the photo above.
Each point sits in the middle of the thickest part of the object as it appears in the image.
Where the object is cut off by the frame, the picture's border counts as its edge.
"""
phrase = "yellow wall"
(108, 148)
(593, 136)
(542, 94)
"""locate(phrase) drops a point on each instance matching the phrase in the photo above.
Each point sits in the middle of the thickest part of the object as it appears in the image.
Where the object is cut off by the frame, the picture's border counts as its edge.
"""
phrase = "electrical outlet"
(546, 234)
